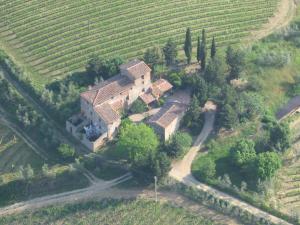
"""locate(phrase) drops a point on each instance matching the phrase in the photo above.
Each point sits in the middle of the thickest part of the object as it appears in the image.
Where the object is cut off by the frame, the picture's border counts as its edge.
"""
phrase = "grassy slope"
(56, 37)
(108, 212)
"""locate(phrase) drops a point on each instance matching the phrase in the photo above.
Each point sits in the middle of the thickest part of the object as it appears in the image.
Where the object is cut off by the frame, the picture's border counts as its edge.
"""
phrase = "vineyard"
(14, 152)
(288, 195)
(108, 212)
(53, 38)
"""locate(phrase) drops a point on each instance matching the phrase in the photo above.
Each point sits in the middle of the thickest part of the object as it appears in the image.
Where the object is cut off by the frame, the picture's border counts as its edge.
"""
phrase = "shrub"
(66, 151)
(206, 169)
(179, 143)
(138, 107)
(276, 59)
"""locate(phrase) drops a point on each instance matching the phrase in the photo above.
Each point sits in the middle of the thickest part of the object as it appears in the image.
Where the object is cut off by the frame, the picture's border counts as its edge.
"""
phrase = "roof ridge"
(134, 65)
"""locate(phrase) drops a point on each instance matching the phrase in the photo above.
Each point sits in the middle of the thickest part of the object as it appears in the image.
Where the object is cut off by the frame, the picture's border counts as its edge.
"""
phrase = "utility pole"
(155, 187)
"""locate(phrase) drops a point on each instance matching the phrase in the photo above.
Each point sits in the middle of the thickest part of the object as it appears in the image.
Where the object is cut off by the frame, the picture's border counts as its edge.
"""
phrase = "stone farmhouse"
(103, 104)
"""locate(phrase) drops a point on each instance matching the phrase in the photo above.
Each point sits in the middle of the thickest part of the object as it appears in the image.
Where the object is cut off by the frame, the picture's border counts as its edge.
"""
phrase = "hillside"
(52, 38)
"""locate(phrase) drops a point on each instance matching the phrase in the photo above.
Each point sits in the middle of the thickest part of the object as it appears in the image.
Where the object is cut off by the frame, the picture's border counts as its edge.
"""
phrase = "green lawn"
(108, 212)
(51, 38)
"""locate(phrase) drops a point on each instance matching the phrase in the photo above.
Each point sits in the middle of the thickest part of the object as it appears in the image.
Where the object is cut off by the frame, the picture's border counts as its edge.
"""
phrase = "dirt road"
(283, 16)
(181, 171)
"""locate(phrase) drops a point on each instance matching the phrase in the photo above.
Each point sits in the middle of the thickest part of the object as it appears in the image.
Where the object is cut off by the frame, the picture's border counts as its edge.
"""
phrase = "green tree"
(215, 72)
(138, 106)
(45, 169)
(178, 145)
(66, 151)
(202, 52)
(193, 117)
(170, 52)
(280, 137)
(206, 169)
(152, 56)
(236, 62)
(175, 78)
(103, 68)
(267, 164)
(227, 117)
(213, 50)
(200, 89)
(198, 49)
(188, 45)
(138, 142)
(157, 165)
(243, 152)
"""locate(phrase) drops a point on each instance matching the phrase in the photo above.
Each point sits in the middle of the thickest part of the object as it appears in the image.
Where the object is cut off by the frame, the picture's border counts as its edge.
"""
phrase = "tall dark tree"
(170, 52)
(188, 45)
(213, 49)
(203, 50)
(236, 62)
(198, 49)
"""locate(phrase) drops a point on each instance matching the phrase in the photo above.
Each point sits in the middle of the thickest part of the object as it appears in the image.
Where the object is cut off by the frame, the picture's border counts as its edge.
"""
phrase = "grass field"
(52, 38)
(109, 212)
(14, 152)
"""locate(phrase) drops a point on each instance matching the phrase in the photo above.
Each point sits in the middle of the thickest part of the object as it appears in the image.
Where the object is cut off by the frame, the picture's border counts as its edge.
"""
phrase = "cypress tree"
(198, 49)
(203, 50)
(213, 50)
(188, 45)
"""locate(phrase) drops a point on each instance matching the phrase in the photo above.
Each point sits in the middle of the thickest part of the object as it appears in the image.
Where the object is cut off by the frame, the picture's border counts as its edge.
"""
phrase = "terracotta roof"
(106, 113)
(168, 113)
(136, 68)
(117, 105)
(161, 86)
(147, 98)
(292, 105)
(107, 90)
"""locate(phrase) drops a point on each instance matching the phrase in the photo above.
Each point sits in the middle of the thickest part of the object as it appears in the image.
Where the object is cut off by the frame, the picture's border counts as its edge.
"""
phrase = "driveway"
(181, 171)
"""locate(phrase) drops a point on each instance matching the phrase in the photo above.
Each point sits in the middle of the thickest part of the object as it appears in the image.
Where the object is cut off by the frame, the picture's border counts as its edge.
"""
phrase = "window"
(143, 77)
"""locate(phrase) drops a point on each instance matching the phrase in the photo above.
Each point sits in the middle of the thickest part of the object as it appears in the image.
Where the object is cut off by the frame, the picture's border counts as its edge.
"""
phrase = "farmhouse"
(168, 118)
(103, 104)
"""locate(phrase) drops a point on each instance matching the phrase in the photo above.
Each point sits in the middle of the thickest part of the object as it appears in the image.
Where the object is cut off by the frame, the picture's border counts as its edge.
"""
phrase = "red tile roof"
(107, 114)
(161, 86)
(107, 90)
(168, 113)
(147, 98)
(136, 68)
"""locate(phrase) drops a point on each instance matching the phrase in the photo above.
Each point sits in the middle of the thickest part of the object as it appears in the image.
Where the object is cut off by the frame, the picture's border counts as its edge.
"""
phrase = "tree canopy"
(170, 52)
(267, 164)
(138, 142)
(188, 45)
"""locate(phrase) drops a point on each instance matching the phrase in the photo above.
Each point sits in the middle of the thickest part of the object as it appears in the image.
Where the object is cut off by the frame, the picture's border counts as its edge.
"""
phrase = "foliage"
(280, 137)
(157, 165)
(188, 45)
(138, 142)
(175, 78)
(103, 68)
(227, 117)
(66, 151)
(202, 51)
(215, 72)
(170, 52)
(243, 152)
(213, 49)
(236, 62)
(193, 119)
(206, 170)
(153, 56)
(138, 106)
(178, 145)
(273, 59)
(267, 164)
(199, 87)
